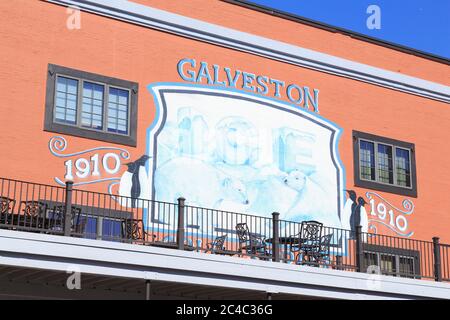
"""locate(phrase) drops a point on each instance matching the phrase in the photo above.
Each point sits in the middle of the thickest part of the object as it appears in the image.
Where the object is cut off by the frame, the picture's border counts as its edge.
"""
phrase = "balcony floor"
(35, 265)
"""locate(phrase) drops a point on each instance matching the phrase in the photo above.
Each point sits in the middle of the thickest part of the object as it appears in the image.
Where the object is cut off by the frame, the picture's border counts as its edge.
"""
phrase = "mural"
(134, 183)
(234, 151)
(90, 166)
(191, 71)
(382, 214)
(386, 215)
(234, 146)
(354, 213)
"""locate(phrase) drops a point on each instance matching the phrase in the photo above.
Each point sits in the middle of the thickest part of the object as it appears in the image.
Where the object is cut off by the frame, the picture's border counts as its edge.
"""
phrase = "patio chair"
(79, 222)
(217, 246)
(324, 252)
(57, 220)
(33, 214)
(6, 209)
(309, 238)
(133, 230)
(251, 243)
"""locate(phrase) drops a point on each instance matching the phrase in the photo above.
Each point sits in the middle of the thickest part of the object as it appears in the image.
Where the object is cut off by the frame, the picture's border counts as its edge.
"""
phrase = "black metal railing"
(23, 206)
(33, 207)
(331, 247)
(445, 265)
(399, 256)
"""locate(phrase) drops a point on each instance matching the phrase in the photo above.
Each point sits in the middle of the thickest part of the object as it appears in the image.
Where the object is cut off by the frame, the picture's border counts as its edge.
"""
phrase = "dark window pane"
(91, 228)
(66, 100)
(387, 264)
(118, 109)
(112, 230)
(385, 166)
(92, 109)
(406, 267)
(367, 160)
(403, 167)
(370, 259)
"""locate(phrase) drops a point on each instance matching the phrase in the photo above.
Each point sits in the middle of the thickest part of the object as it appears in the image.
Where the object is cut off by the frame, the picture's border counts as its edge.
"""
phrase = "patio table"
(292, 240)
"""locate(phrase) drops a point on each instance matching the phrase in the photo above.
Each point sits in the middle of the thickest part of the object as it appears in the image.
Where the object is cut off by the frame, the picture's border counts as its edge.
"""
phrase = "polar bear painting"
(271, 195)
(198, 182)
(312, 202)
(202, 185)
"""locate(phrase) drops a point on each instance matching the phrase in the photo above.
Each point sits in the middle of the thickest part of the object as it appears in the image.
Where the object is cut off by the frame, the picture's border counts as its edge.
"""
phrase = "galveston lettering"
(191, 71)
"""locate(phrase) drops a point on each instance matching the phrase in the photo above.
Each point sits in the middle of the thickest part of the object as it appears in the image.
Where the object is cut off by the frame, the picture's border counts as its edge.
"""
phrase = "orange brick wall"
(33, 33)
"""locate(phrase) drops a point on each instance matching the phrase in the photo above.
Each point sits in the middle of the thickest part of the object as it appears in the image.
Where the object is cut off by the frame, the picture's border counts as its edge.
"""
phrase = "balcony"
(205, 237)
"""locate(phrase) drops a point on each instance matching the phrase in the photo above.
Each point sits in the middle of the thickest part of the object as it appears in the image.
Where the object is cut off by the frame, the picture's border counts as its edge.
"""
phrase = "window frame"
(397, 253)
(81, 98)
(99, 214)
(378, 185)
(85, 132)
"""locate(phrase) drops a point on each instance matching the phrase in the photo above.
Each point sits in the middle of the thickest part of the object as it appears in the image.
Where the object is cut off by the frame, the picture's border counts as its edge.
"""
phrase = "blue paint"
(314, 101)
(278, 84)
(250, 82)
(191, 73)
(232, 80)
(248, 79)
(216, 76)
(299, 92)
(262, 81)
(203, 72)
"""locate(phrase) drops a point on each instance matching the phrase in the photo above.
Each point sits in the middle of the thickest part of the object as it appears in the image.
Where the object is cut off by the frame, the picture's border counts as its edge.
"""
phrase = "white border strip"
(58, 253)
(195, 29)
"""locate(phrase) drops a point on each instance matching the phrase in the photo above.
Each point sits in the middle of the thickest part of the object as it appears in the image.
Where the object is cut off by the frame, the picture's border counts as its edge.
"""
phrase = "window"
(66, 100)
(91, 228)
(91, 106)
(101, 224)
(393, 261)
(112, 230)
(384, 164)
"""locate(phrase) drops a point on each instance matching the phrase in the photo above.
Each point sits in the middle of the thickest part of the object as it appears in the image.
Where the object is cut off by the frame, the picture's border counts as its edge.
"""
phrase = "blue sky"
(420, 24)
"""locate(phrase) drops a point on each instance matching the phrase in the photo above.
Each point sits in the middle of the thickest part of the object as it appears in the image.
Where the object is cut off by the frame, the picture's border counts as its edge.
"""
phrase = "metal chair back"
(218, 244)
(79, 221)
(250, 242)
(57, 218)
(132, 229)
(34, 209)
(6, 209)
(325, 242)
(243, 232)
(7, 205)
(310, 232)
